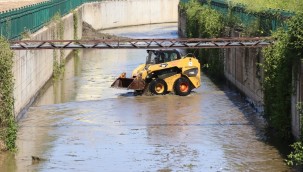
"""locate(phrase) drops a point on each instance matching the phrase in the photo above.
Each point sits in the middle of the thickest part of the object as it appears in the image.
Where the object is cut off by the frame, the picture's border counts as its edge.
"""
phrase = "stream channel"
(81, 124)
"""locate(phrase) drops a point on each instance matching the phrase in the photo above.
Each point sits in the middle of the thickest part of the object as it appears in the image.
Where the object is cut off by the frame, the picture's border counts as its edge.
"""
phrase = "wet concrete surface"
(80, 124)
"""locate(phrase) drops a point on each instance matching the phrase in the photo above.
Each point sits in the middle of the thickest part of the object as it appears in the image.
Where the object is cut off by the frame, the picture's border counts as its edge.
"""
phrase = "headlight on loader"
(191, 72)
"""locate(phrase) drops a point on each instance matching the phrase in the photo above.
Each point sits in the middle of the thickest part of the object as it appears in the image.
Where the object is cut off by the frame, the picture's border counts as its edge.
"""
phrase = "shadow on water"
(255, 115)
(256, 118)
(128, 94)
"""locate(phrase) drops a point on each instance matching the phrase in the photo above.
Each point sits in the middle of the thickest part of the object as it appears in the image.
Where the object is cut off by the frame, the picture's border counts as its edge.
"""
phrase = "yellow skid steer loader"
(164, 71)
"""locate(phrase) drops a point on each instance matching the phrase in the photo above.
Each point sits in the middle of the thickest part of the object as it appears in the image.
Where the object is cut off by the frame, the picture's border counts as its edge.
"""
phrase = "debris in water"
(36, 159)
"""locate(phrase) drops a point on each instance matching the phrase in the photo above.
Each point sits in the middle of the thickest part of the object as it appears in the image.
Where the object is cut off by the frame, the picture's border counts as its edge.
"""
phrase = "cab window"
(155, 57)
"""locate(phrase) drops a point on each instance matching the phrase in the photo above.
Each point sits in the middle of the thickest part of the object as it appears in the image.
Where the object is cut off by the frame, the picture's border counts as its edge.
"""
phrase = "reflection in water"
(80, 124)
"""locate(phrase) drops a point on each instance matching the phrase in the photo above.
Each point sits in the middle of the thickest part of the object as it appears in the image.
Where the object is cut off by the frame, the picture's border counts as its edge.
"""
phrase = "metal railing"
(32, 17)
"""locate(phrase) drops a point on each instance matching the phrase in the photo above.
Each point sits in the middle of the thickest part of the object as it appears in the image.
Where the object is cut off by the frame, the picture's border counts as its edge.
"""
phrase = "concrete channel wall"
(241, 69)
(34, 68)
(297, 98)
(121, 13)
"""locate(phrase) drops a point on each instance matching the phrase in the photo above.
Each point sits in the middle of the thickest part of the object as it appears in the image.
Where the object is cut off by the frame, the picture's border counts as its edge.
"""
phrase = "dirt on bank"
(3, 147)
(89, 33)
(13, 4)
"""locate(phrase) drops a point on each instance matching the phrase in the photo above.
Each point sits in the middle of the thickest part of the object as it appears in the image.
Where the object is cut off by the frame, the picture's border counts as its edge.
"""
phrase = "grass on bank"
(260, 5)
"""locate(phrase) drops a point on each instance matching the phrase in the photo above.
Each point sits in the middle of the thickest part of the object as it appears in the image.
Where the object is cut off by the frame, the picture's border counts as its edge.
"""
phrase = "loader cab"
(162, 56)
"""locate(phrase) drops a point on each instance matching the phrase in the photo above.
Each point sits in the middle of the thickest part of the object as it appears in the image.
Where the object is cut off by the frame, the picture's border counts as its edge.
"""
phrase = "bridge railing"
(33, 17)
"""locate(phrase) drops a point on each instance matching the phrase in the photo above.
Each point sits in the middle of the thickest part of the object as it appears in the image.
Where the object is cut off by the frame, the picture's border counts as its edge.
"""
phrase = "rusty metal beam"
(190, 43)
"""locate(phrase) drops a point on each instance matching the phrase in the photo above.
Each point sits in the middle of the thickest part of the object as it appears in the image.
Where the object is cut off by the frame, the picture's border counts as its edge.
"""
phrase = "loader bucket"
(129, 83)
(137, 84)
(122, 82)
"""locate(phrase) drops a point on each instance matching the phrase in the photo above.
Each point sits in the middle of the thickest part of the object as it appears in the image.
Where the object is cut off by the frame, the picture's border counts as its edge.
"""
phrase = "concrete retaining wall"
(33, 68)
(242, 70)
(297, 97)
(182, 24)
(111, 14)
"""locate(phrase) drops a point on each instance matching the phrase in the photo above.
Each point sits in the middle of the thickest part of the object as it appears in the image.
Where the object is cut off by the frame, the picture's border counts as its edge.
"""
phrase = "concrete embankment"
(33, 68)
(242, 69)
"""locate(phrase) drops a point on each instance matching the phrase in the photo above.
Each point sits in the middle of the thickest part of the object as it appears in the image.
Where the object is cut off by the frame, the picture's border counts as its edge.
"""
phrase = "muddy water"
(80, 124)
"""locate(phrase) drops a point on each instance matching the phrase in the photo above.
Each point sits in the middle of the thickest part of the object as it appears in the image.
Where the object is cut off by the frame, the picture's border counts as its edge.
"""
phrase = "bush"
(7, 120)
(204, 22)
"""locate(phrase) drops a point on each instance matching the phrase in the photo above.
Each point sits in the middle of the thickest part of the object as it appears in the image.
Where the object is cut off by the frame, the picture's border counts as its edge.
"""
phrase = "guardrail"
(32, 17)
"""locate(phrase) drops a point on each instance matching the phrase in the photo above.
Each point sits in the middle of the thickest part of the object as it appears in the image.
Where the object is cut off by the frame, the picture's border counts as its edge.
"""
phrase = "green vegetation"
(8, 126)
(295, 158)
(280, 60)
(76, 24)
(277, 85)
(26, 34)
(261, 5)
(204, 22)
(59, 62)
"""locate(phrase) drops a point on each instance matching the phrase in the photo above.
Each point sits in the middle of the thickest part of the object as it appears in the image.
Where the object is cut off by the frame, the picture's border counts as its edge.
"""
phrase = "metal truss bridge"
(190, 43)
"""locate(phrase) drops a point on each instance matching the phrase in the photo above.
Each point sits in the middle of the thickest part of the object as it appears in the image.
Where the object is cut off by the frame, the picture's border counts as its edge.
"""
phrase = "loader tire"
(182, 86)
(158, 87)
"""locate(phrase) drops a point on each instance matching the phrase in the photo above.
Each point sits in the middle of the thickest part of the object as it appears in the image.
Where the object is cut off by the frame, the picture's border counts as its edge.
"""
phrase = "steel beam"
(190, 43)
